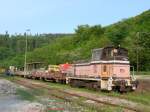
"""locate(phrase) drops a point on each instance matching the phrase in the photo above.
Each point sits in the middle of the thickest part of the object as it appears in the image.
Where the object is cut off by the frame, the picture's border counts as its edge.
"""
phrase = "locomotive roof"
(106, 53)
(112, 47)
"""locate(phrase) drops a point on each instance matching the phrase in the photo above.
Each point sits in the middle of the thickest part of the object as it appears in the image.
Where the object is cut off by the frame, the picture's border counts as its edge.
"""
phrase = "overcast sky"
(63, 16)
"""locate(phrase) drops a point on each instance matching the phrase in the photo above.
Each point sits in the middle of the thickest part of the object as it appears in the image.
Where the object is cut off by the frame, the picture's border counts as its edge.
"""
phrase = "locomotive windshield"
(109, 53)
(96, 54)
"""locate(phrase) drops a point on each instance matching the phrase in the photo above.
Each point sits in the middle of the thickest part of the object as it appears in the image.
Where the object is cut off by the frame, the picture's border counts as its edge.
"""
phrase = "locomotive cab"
(115, 67)
(114, 62)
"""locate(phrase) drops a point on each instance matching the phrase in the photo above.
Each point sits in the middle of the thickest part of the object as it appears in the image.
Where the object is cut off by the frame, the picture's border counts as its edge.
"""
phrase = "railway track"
(67, 95)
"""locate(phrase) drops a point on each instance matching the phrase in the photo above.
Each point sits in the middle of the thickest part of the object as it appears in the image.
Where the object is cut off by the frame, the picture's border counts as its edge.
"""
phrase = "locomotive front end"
(115, 73)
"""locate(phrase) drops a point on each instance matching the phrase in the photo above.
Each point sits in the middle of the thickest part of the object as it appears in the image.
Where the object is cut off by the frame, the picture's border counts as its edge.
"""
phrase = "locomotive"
(108, 69)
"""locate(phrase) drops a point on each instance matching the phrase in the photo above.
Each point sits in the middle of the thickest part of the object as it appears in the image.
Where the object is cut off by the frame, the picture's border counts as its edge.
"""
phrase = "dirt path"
(144, 82)
(140, 77)
(11, 102)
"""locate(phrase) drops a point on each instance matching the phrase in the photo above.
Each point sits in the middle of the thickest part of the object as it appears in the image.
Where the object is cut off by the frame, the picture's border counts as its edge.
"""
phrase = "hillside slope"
(78, 46)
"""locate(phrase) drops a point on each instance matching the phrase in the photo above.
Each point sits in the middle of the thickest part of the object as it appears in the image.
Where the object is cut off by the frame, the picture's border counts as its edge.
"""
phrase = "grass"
(138, 97)
(33, 95)
(30, 94)
(89, 107)
(143, 97)
(26, 94)
(97, 107)
(10, 78)
(141, 72)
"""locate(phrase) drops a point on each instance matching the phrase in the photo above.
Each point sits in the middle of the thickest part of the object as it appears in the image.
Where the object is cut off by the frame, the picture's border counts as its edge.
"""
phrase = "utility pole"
(137, 60)
(137, 53)
(26, 48)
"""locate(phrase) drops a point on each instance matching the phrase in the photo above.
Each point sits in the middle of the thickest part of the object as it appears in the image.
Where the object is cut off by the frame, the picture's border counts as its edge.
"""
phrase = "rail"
(30, 84)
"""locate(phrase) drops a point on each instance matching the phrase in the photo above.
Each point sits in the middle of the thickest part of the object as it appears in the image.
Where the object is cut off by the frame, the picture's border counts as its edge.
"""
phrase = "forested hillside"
(132, 33)
(12, 45)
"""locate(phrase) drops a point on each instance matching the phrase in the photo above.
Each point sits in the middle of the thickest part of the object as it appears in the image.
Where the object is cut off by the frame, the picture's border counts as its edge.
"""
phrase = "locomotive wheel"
(32, 77)
(62, 81)
(128, 89)
(74, 83)
(46, 79)
(116, 88)
(93, 85)
(96, 86)
(89, 85)
(42, 78)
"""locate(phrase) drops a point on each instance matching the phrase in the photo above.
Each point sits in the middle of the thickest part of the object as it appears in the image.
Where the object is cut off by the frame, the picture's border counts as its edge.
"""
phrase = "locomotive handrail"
(133, 74)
